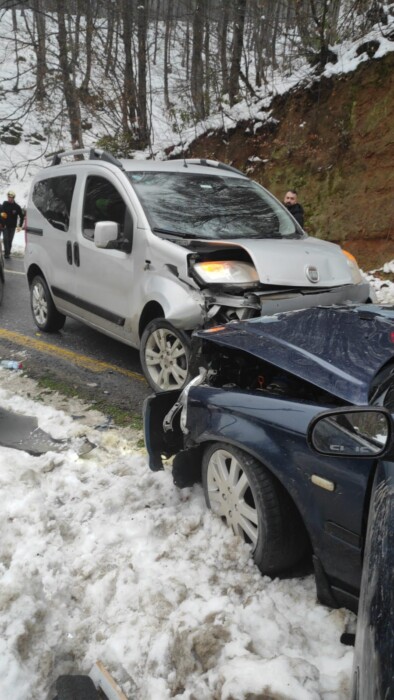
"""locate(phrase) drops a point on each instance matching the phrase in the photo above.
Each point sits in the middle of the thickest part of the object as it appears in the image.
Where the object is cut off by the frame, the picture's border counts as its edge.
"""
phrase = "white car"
(148, 251)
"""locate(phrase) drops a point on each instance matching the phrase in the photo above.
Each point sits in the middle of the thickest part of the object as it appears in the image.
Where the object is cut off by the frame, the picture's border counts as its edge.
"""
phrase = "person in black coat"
(291, 203)
(10, 211)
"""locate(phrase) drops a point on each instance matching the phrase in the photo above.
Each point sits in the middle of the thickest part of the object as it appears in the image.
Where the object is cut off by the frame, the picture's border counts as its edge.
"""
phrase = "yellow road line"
(14, 272)
(74, 357)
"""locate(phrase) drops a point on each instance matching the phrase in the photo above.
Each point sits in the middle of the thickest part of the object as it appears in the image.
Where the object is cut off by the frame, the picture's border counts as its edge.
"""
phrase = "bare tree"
(142, 64)
(317, 22)
(39, 44)
(197, 67)
(69, 87)
(111, 44)
(237, 47)
(86, 9)
(167, 60)
(129, 97)
(222, 31)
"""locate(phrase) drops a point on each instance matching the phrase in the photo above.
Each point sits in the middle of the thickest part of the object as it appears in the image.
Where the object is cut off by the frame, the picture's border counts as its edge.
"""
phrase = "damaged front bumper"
(165, 418)
(226, 307)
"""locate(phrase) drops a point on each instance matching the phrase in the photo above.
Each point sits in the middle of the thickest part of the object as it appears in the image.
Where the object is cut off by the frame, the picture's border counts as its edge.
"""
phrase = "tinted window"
(53, 198)
(211, 206)
(102, 203)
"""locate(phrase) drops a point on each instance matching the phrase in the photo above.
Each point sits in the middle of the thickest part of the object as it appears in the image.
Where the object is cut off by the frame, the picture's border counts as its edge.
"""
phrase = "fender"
(182, 304)
(253, 425)
(274, 434)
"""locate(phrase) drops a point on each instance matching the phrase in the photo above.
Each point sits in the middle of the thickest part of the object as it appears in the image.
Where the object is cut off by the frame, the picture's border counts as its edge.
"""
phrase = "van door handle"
(69, 253)
(76, 254)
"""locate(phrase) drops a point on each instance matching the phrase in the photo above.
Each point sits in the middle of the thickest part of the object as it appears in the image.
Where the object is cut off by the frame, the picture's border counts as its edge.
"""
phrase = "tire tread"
(285, 540)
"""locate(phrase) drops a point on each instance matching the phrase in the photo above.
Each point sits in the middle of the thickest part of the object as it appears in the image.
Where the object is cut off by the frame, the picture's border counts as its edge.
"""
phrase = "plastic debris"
(11, 364)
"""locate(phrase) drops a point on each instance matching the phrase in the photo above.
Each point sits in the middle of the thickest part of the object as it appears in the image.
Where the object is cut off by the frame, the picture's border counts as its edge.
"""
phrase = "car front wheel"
(253, 503)
(164, 355)
(45, 314)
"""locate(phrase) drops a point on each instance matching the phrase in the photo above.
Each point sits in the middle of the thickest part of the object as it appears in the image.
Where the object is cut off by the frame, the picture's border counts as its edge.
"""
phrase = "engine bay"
(235, 369)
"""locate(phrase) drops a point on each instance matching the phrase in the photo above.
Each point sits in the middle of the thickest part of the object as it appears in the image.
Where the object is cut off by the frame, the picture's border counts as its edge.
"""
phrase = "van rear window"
(53, 198)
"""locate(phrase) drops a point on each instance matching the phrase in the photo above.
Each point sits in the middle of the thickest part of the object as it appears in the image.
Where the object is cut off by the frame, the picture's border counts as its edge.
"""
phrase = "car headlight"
(354, 268)
(231, 272)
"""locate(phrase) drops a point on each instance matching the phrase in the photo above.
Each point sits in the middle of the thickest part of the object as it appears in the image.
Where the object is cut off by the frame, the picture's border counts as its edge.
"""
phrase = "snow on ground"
(102, 559)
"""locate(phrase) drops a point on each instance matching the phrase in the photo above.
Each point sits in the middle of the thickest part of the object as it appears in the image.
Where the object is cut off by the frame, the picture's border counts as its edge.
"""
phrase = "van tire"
(164, 355)
(46, 316)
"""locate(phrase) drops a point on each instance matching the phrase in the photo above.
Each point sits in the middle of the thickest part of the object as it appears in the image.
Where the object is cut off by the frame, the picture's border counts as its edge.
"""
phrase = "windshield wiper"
(169, 232)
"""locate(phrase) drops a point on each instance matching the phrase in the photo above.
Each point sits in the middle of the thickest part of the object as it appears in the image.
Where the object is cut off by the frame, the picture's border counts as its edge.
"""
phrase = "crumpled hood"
(338, 349)
(286, 262)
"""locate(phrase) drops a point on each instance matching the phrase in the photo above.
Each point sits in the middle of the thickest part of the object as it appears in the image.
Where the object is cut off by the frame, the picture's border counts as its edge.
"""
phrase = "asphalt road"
(99, 368)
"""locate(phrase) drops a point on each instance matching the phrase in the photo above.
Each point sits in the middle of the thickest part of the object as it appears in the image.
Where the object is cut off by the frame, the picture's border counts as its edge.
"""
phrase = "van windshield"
(211, 206)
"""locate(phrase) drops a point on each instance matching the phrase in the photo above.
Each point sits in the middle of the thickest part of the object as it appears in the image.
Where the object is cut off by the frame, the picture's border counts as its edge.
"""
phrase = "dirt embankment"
(334, 143)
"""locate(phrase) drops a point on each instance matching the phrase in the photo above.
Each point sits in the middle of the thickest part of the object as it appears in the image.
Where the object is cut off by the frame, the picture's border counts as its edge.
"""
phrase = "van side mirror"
(356, 432)
(106, 235)
(105, 232)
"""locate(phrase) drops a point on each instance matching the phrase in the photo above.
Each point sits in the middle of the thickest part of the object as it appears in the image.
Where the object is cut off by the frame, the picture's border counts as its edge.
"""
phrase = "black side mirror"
(355, 432)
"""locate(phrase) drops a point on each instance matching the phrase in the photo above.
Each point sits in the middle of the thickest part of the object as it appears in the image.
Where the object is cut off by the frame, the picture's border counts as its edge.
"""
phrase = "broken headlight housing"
(226, 272)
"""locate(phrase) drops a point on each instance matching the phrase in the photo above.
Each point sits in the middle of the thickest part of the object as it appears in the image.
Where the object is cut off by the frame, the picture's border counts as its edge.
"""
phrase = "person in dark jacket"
(10, 211)
(290, 201)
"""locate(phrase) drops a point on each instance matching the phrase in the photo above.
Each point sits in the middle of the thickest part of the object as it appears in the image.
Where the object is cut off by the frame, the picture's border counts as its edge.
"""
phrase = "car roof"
(338, 348)
(185, 166)
(201, 166)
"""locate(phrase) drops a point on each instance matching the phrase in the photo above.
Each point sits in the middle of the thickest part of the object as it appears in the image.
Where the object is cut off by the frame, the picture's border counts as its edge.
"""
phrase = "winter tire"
(164, 355)
(46, 316)
(254, 504)
(76, 688)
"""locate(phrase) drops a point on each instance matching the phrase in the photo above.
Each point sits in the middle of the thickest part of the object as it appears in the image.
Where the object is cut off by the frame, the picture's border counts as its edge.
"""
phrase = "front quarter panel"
(273, 430)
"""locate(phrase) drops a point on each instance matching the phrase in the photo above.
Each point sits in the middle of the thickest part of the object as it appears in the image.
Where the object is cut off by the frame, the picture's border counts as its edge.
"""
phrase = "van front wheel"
(164, 355)
(46, 316)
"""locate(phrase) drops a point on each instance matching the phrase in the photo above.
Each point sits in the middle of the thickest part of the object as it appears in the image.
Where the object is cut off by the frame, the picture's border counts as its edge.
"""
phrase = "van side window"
(102, 203)
(53, 198)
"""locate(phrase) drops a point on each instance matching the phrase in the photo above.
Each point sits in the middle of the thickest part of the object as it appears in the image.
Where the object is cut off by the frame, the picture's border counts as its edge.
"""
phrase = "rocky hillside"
(334, 143)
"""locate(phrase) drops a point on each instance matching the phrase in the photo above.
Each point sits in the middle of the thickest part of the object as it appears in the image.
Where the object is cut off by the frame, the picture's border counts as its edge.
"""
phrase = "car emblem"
(312, 273)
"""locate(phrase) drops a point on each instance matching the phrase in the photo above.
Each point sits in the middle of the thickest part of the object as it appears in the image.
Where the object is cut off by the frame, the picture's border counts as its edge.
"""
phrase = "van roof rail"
(214, 164)
(94, 154)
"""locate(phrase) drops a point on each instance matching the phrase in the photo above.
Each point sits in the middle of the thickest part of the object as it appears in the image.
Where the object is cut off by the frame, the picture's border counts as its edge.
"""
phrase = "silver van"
(148, 251)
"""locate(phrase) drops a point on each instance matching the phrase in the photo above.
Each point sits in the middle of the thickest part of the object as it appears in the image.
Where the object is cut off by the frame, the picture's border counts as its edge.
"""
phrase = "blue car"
(288, 423)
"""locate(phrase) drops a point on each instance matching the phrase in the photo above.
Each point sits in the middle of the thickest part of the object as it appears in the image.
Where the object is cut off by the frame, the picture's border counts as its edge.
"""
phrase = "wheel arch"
(33, 271)
(150, 312)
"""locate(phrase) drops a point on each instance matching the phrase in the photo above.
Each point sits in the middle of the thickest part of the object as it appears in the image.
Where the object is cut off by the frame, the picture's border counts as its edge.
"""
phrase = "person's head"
(11, 195)
(290, 198)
